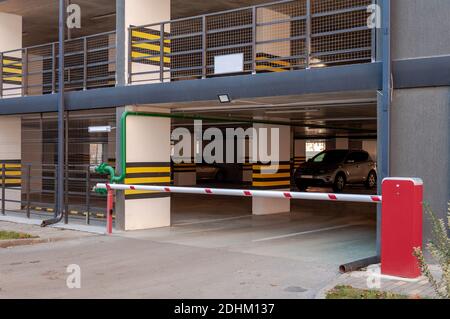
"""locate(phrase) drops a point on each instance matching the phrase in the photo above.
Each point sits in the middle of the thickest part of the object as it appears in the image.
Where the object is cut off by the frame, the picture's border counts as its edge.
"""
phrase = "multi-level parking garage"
(312, 69)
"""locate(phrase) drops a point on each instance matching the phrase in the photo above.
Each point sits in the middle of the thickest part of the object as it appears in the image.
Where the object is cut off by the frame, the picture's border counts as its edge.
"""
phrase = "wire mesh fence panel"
(275, 37)
(186, 50)
(100, 61)
(229, 34)
(340, 32)
(30, 190)
(11, 73)
(90, 62)
(281, 37)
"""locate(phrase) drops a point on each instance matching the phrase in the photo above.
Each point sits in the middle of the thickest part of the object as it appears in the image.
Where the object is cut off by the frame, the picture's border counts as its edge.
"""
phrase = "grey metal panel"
(422, 72)
(335, 79)
(29, 104)
(120, 42)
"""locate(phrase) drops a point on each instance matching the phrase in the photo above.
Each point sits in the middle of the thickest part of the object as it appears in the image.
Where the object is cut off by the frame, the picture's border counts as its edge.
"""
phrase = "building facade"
(358, 74)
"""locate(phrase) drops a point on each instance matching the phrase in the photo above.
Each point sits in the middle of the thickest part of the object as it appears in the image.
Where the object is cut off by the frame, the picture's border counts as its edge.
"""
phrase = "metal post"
(55, 189)
(53, 68)
(384, 106)
(109, 211)
(254, 40)
(161, 49)
(308, 34)
(130, 56)
(1, 75)
(25, 73)
(61, 110)
(85, 62)
(373, 32)
(3, 189)
(66, 165)
(59, 215)
(88, 195)
(121, 44)
(28, 190)
(204, 48)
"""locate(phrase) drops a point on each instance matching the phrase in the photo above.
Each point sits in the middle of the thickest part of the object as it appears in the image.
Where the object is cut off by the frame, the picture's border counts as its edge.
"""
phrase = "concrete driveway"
(208, 253)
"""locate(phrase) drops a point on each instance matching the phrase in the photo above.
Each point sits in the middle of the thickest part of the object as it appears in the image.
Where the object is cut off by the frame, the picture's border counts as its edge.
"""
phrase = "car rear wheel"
(220, 176)
(301, 186)
(371, 182)
(339, 183)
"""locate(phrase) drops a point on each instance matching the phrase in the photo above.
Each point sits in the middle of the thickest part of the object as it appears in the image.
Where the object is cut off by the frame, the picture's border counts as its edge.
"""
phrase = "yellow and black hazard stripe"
(13, 173)
(12, 70)
(147, 174)
(298, 160)
(275, 176)
(184, 168)
(247, 166)
(47, 210)
(271, 63)
(146, 47)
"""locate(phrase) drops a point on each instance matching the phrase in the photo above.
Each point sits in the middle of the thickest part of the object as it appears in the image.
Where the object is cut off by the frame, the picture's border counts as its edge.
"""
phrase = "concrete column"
(143, 12)
(147, 162)
(370, 146)
(342, 143)
(11, 39)
(247, 166)
(11, 127)
(185, 173)
(420, 143)
(269, 177)
(420, 117)
(300, 152)
(10, 155)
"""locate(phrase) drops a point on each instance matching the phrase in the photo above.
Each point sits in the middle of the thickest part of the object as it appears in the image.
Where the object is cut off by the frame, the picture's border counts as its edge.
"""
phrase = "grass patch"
(9, 235)
(347, 292)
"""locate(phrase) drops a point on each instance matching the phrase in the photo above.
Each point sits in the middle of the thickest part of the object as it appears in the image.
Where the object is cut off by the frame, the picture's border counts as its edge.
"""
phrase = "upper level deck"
(269, 38)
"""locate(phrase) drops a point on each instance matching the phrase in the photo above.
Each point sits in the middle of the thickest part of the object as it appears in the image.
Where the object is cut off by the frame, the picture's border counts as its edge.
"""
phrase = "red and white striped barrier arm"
(248, 193)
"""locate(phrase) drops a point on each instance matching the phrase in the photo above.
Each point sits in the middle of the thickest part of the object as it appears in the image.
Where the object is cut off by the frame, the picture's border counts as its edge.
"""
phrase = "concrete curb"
(27, 242)
(322, 293)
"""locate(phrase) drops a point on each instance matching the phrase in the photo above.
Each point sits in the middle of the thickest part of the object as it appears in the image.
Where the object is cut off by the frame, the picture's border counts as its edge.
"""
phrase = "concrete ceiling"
(41, 16)
(316, 116)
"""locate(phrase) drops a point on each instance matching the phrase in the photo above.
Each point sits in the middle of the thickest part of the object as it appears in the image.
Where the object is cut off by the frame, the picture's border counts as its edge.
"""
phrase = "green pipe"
(106, 169)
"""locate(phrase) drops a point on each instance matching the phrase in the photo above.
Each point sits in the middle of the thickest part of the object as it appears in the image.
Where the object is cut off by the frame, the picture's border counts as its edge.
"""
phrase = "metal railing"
(30, 190)
(90, 62)
(274, 37)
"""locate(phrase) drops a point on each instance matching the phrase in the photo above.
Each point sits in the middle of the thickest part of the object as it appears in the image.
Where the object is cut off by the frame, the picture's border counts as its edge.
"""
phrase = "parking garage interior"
(339, 231)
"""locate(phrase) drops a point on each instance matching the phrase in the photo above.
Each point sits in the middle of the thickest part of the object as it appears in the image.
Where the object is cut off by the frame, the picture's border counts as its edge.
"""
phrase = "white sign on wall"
(230, 63)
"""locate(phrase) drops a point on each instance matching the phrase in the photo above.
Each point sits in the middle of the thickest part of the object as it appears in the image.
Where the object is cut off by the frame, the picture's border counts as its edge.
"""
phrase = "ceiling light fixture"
(100, 129)
(224, 98)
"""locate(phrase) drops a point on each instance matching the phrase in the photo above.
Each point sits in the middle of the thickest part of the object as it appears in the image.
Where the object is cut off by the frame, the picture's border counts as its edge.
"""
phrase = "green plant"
(439, 248)
(7, 235)
(348, 292)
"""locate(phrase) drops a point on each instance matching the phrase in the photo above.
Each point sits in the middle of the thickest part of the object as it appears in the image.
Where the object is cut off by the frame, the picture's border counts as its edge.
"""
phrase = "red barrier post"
(109, 211)
(402, 220)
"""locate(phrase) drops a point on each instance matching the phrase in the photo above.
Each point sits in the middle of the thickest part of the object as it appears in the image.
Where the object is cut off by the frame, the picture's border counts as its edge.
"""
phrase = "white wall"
(10, 138)
(371, 148)
(11, 149)
(148, 141)
(11, 39)
(142, 12)
(300, 148)
(342, 143)
(10, 32)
